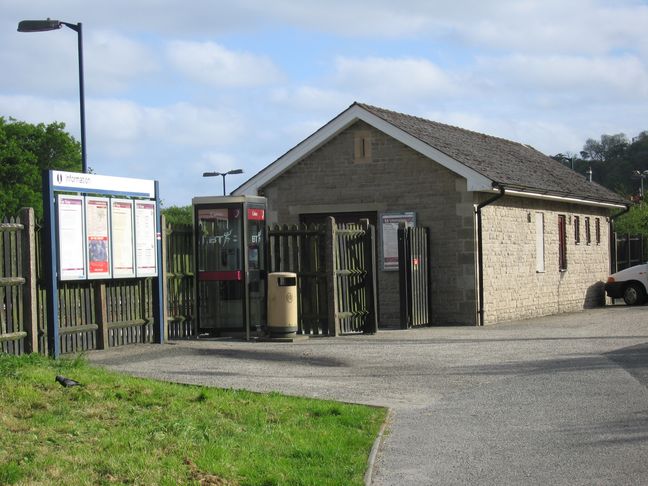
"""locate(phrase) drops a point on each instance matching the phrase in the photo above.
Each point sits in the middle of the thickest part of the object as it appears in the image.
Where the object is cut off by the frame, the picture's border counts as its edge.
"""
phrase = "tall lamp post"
(223, 174)
(641, 175)
(44, 26)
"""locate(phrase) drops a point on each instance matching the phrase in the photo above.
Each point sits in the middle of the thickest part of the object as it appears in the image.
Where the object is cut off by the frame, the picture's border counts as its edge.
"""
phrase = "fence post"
(166, 231)
(331, 277)
(370, 278)
(30, 304)
(403, 275)
(101, 315)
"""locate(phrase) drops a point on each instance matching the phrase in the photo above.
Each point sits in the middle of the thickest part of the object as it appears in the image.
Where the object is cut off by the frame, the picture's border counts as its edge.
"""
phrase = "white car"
(630, 284)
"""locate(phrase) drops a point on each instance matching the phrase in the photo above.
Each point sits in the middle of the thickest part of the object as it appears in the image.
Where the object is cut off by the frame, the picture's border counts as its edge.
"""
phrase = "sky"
(174, 88)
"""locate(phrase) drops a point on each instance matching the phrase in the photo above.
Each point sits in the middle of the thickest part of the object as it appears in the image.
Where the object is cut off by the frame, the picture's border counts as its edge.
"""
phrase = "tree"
(178, 214)
(634, 222)
(25, 151)
(613, 160)
(608, 148)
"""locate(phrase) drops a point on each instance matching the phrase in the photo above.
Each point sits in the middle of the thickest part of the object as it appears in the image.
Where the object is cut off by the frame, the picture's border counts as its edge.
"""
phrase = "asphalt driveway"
(555, 400)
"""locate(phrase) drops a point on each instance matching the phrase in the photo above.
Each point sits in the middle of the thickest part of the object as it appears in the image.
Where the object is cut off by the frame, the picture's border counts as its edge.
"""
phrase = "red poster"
(97, 235)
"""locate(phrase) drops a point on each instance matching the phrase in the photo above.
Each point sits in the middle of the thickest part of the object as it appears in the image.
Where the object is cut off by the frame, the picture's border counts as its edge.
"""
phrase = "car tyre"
(634, 294)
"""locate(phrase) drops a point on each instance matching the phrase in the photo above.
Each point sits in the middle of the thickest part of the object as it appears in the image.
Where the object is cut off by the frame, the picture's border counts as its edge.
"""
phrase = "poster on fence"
(123, 248)
(145, 239)
(97, 237)
(72, 264)
(389, 232)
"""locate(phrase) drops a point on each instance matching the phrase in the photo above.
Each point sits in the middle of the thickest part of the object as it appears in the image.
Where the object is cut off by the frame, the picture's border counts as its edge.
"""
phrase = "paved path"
(556, 400)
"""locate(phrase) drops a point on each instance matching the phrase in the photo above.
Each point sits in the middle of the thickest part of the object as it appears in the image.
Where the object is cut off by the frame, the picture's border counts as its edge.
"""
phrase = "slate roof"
(511, 164)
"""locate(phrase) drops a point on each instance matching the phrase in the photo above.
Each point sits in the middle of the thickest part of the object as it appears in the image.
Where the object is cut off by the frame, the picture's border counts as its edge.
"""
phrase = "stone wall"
(513, 288)
(362, 169)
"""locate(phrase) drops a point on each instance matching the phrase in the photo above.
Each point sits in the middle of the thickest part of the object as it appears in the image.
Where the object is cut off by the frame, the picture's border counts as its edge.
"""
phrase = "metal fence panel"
(414, 276)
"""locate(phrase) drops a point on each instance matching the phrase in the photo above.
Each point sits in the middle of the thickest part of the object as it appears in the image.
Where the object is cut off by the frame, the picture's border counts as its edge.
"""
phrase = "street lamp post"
(641, 175)
(223, 174)
(44, 26)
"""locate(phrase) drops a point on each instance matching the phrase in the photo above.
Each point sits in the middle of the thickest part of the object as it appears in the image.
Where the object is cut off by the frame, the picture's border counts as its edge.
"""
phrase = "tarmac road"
(554, 400)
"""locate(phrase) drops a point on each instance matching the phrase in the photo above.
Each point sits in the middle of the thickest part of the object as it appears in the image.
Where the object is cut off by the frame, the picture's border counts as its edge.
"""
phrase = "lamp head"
(39, 25)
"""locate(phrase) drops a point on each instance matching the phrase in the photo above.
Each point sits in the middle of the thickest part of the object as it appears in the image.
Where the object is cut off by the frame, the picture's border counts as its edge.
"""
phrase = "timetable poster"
(389, 223)
(97, 237)
(70, 238)
(145, 239)
(123, 238)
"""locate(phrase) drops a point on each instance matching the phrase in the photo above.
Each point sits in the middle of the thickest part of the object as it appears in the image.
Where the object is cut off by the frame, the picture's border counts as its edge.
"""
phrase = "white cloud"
(113, 61)
(388, 80)
(33, 109)
(213, 64)
(122, 124)
(310, 98)
(605, 78)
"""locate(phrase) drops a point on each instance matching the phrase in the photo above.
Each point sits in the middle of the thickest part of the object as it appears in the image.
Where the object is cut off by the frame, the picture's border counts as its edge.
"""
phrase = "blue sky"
(176, 88)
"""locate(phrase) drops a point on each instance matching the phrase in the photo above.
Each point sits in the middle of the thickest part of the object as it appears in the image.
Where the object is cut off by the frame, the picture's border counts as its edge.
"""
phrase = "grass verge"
(117, 429)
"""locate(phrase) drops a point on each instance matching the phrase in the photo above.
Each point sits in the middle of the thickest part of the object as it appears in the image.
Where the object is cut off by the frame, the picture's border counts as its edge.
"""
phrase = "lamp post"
(564, 158)
(223, 174)
(641, 175)
(44, 26)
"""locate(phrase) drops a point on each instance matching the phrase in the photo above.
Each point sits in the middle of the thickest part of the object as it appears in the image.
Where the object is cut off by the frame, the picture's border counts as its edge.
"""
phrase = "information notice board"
(104, 237)
(89, 233)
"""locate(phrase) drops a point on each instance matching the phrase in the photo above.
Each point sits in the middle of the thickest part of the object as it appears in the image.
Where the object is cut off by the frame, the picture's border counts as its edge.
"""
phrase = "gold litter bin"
(282, 304)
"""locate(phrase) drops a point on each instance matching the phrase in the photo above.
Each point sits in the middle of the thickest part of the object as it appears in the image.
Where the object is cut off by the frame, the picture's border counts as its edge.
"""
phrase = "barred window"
(597, 229)
(562, 242)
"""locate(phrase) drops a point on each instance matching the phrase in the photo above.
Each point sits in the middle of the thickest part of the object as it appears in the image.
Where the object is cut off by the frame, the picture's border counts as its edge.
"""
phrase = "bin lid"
(282, 274)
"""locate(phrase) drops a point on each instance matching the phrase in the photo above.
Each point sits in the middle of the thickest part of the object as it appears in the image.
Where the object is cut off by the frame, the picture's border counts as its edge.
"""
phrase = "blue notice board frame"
(55, 182)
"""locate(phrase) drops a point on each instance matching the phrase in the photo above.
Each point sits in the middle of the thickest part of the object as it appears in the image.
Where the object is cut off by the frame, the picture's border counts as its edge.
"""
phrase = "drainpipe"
(613, 253)
(480, 251)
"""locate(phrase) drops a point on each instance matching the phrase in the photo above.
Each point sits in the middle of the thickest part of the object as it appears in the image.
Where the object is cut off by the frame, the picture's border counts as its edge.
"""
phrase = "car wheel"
(634, 294)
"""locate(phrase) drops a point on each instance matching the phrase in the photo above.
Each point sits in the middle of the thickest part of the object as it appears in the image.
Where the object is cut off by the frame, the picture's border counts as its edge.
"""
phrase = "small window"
(362, 146)
(588, 232)
(577, 230)
(540, 259)
(562, 242)
(597, 229)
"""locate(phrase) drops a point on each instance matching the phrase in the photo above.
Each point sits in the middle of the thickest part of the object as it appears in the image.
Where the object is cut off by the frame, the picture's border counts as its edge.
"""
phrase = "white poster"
(70, 238)
(97, 237)
(389, 231)
(123, 238)
(145, 239)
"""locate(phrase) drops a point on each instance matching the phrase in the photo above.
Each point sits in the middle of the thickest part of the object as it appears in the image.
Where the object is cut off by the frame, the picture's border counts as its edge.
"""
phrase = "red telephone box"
(230, 264)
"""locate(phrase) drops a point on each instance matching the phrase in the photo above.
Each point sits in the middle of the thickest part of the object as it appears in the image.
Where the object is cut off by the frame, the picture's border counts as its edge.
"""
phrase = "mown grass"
(117, 429)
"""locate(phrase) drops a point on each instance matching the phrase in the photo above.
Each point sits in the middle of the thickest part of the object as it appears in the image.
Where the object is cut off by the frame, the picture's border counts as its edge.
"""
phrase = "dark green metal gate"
(414, 276)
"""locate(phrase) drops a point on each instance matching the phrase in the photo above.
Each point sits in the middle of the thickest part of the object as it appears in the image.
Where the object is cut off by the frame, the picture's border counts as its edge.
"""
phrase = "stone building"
(541, 229)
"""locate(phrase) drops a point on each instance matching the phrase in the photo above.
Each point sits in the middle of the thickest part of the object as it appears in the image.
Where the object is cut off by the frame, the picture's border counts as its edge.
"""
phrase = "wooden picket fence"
(354, 272)
(12, 282)
(335, 267)
(334, 264)
(92, 314)
(301, 249)
(179, 260)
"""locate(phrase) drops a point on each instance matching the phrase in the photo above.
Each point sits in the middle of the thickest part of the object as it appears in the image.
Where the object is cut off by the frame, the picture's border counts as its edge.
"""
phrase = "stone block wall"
(513, 288)
(362, 169)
